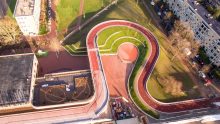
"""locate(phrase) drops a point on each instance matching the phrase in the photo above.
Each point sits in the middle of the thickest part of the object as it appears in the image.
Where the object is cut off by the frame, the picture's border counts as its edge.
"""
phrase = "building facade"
(27, 15)
(205, 28)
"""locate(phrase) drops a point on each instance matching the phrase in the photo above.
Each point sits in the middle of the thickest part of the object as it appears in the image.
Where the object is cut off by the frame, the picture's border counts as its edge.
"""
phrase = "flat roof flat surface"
(15, 79)
(24, 7)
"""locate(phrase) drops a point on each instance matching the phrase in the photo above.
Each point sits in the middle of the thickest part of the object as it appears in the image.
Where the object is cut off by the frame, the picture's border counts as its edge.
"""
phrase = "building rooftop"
(24, 7)
(15, 78)
(206, 16)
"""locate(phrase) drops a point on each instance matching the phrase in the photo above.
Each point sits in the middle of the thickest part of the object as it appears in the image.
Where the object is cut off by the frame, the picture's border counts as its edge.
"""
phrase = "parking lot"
(121, 109)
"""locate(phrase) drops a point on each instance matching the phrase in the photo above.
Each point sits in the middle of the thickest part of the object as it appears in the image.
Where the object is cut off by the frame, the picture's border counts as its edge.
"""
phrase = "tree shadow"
(188, 88)
(80, 36)
(11, 4)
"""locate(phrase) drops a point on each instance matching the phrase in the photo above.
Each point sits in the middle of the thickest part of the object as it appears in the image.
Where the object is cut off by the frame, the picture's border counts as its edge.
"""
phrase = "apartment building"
(27, 14)
(205, 28)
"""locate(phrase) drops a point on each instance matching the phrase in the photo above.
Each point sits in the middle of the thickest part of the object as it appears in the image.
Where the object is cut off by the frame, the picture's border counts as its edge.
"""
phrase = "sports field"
(129, 10)
(109, 41)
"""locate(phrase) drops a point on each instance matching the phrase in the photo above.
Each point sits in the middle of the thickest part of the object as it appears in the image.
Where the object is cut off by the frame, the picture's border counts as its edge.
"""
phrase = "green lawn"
(112, 37)
(91, 7)
(43, 29)
(125, 9)
(164, 68)
(67, 12)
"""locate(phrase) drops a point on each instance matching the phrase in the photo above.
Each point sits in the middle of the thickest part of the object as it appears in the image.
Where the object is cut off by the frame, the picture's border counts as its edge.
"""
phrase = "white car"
(44, 85)
(202, 74)
(67, 88)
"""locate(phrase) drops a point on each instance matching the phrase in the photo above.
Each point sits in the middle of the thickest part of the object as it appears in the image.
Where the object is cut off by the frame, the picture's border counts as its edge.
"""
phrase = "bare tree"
(171, 86)
(182, 37)
(9, 32)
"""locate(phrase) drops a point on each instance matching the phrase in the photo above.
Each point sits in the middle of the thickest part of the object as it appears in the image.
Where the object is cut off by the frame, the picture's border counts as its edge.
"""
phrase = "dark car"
(199, 60)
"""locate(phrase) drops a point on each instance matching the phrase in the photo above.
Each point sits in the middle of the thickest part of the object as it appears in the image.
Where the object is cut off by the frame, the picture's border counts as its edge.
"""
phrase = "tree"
(10, 33)
(217, 13)
(182, 37)
(171, 86)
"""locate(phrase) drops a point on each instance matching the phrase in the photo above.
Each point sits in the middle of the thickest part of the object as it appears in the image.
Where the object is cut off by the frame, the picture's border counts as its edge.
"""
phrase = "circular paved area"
(127, 52)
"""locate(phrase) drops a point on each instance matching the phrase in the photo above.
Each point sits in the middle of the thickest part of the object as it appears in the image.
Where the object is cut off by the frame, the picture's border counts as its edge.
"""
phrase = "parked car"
(202, 74)
(195, 3)
(199, 60)
(44, 85)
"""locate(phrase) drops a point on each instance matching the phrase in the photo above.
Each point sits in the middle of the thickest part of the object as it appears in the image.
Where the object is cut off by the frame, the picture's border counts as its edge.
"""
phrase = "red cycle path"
(146, 72)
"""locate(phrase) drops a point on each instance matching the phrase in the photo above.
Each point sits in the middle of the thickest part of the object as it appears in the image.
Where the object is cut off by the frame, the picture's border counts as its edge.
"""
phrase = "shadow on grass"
(80, 36)
(188, 88)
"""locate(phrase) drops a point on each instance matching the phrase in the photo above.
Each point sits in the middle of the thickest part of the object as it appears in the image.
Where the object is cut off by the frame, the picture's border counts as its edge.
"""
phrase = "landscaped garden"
(165, 67)
(108, 42)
